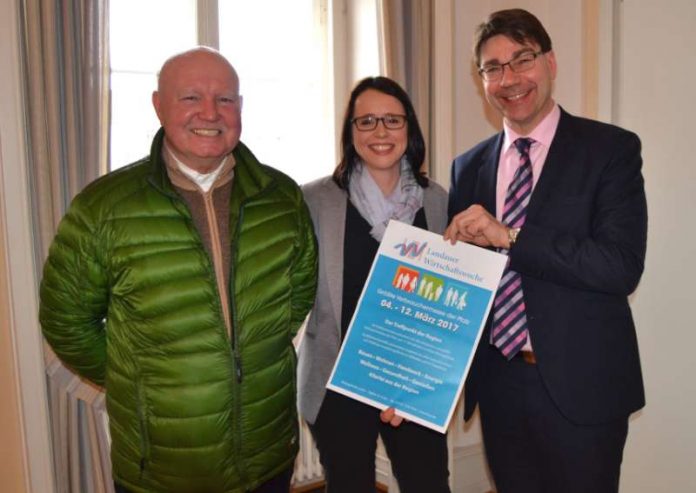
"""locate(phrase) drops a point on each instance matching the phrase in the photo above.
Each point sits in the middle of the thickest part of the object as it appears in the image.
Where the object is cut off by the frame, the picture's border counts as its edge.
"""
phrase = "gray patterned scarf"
(402, 205)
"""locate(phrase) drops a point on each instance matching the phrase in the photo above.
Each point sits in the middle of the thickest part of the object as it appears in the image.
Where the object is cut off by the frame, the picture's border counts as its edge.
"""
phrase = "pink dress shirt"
(510, 161)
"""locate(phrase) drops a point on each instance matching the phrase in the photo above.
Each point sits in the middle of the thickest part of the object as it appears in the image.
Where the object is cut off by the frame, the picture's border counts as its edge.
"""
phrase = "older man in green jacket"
(178, 283)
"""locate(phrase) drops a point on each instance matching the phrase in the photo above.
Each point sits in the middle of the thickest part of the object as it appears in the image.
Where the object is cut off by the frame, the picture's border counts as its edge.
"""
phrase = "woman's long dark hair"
(415, 148)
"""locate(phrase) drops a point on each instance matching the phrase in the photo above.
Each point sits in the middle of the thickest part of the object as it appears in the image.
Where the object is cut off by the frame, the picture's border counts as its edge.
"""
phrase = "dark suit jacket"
(580, 254)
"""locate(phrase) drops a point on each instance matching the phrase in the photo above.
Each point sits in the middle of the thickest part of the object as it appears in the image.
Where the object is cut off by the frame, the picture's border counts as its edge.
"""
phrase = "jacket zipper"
(234, 341)
(235, 336)
(232, 334)
(142, 422)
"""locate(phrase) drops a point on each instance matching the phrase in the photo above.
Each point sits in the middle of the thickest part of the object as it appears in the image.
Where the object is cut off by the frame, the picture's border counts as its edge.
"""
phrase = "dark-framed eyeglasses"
(521, 63)
(367, 123)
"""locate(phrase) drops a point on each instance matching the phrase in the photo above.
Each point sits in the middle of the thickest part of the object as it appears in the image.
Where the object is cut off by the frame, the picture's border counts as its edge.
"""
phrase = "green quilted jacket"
(129, 301)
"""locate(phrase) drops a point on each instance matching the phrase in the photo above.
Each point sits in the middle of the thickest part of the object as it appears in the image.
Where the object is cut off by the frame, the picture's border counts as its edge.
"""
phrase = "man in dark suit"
(557, 372)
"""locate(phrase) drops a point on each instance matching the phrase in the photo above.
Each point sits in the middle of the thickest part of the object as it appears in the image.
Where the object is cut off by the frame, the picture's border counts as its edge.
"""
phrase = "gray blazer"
(322, 339)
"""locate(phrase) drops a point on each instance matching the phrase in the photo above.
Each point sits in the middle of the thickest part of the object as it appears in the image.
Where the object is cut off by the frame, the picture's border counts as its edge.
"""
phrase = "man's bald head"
(170, 65)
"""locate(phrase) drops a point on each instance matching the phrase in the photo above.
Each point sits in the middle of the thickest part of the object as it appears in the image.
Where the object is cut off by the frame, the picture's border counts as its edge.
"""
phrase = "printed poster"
(417, 325)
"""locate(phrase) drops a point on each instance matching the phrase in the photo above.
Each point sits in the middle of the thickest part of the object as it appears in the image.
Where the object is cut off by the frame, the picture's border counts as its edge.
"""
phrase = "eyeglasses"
(521, 63)
(366, 123)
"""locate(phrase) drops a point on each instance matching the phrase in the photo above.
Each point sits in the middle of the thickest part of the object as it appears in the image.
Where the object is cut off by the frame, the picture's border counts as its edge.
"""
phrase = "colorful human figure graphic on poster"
(430, 287)
(406, 279)
(456, 297)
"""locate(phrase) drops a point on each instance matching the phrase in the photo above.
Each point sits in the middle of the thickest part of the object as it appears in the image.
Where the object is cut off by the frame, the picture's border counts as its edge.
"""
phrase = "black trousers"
(278, 484)
(532, 448)
(346, 432)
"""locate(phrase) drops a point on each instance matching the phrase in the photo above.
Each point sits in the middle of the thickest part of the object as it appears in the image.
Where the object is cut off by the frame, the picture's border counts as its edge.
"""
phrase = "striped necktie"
(509, 329)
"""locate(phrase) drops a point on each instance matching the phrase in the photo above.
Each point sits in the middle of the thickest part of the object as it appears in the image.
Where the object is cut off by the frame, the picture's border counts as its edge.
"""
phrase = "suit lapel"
(333, 221)
(554, 166)
(488, 177)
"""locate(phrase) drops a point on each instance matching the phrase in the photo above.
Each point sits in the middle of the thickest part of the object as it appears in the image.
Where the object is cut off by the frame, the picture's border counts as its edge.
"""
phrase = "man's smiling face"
(199, 106)
(523, 98)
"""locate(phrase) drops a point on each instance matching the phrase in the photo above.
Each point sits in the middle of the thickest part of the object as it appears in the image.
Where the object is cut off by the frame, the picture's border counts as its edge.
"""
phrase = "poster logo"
(411, 249)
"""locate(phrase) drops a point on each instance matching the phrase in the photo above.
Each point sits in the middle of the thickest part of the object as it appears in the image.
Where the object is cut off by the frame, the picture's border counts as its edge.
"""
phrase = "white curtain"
(65, 45)
(66, 73)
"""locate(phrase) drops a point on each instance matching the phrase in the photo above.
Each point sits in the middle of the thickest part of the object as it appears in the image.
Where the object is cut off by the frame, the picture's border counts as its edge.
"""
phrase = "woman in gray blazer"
(377, 179)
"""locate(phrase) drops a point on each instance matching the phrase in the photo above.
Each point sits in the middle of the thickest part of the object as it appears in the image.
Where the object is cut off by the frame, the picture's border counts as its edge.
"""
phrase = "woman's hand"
(389, 416)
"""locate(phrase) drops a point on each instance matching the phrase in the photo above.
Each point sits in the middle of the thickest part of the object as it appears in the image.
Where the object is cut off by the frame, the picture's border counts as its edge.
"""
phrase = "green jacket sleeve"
(74, 295)
(304, 271)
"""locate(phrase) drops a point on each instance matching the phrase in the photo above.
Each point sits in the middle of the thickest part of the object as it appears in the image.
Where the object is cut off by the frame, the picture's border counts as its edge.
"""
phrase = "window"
(279, 49)
(139, 44)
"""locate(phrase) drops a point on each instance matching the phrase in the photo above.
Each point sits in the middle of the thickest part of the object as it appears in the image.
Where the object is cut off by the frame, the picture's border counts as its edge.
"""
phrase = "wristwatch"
(512, 235)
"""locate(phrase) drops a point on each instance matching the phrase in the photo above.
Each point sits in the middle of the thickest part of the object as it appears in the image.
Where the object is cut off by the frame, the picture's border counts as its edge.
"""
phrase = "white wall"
(13, 463)
(654, 97)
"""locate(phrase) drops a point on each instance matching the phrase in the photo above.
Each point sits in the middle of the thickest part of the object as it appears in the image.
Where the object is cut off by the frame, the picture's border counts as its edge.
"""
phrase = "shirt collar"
(204, 180)
(542, 133)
